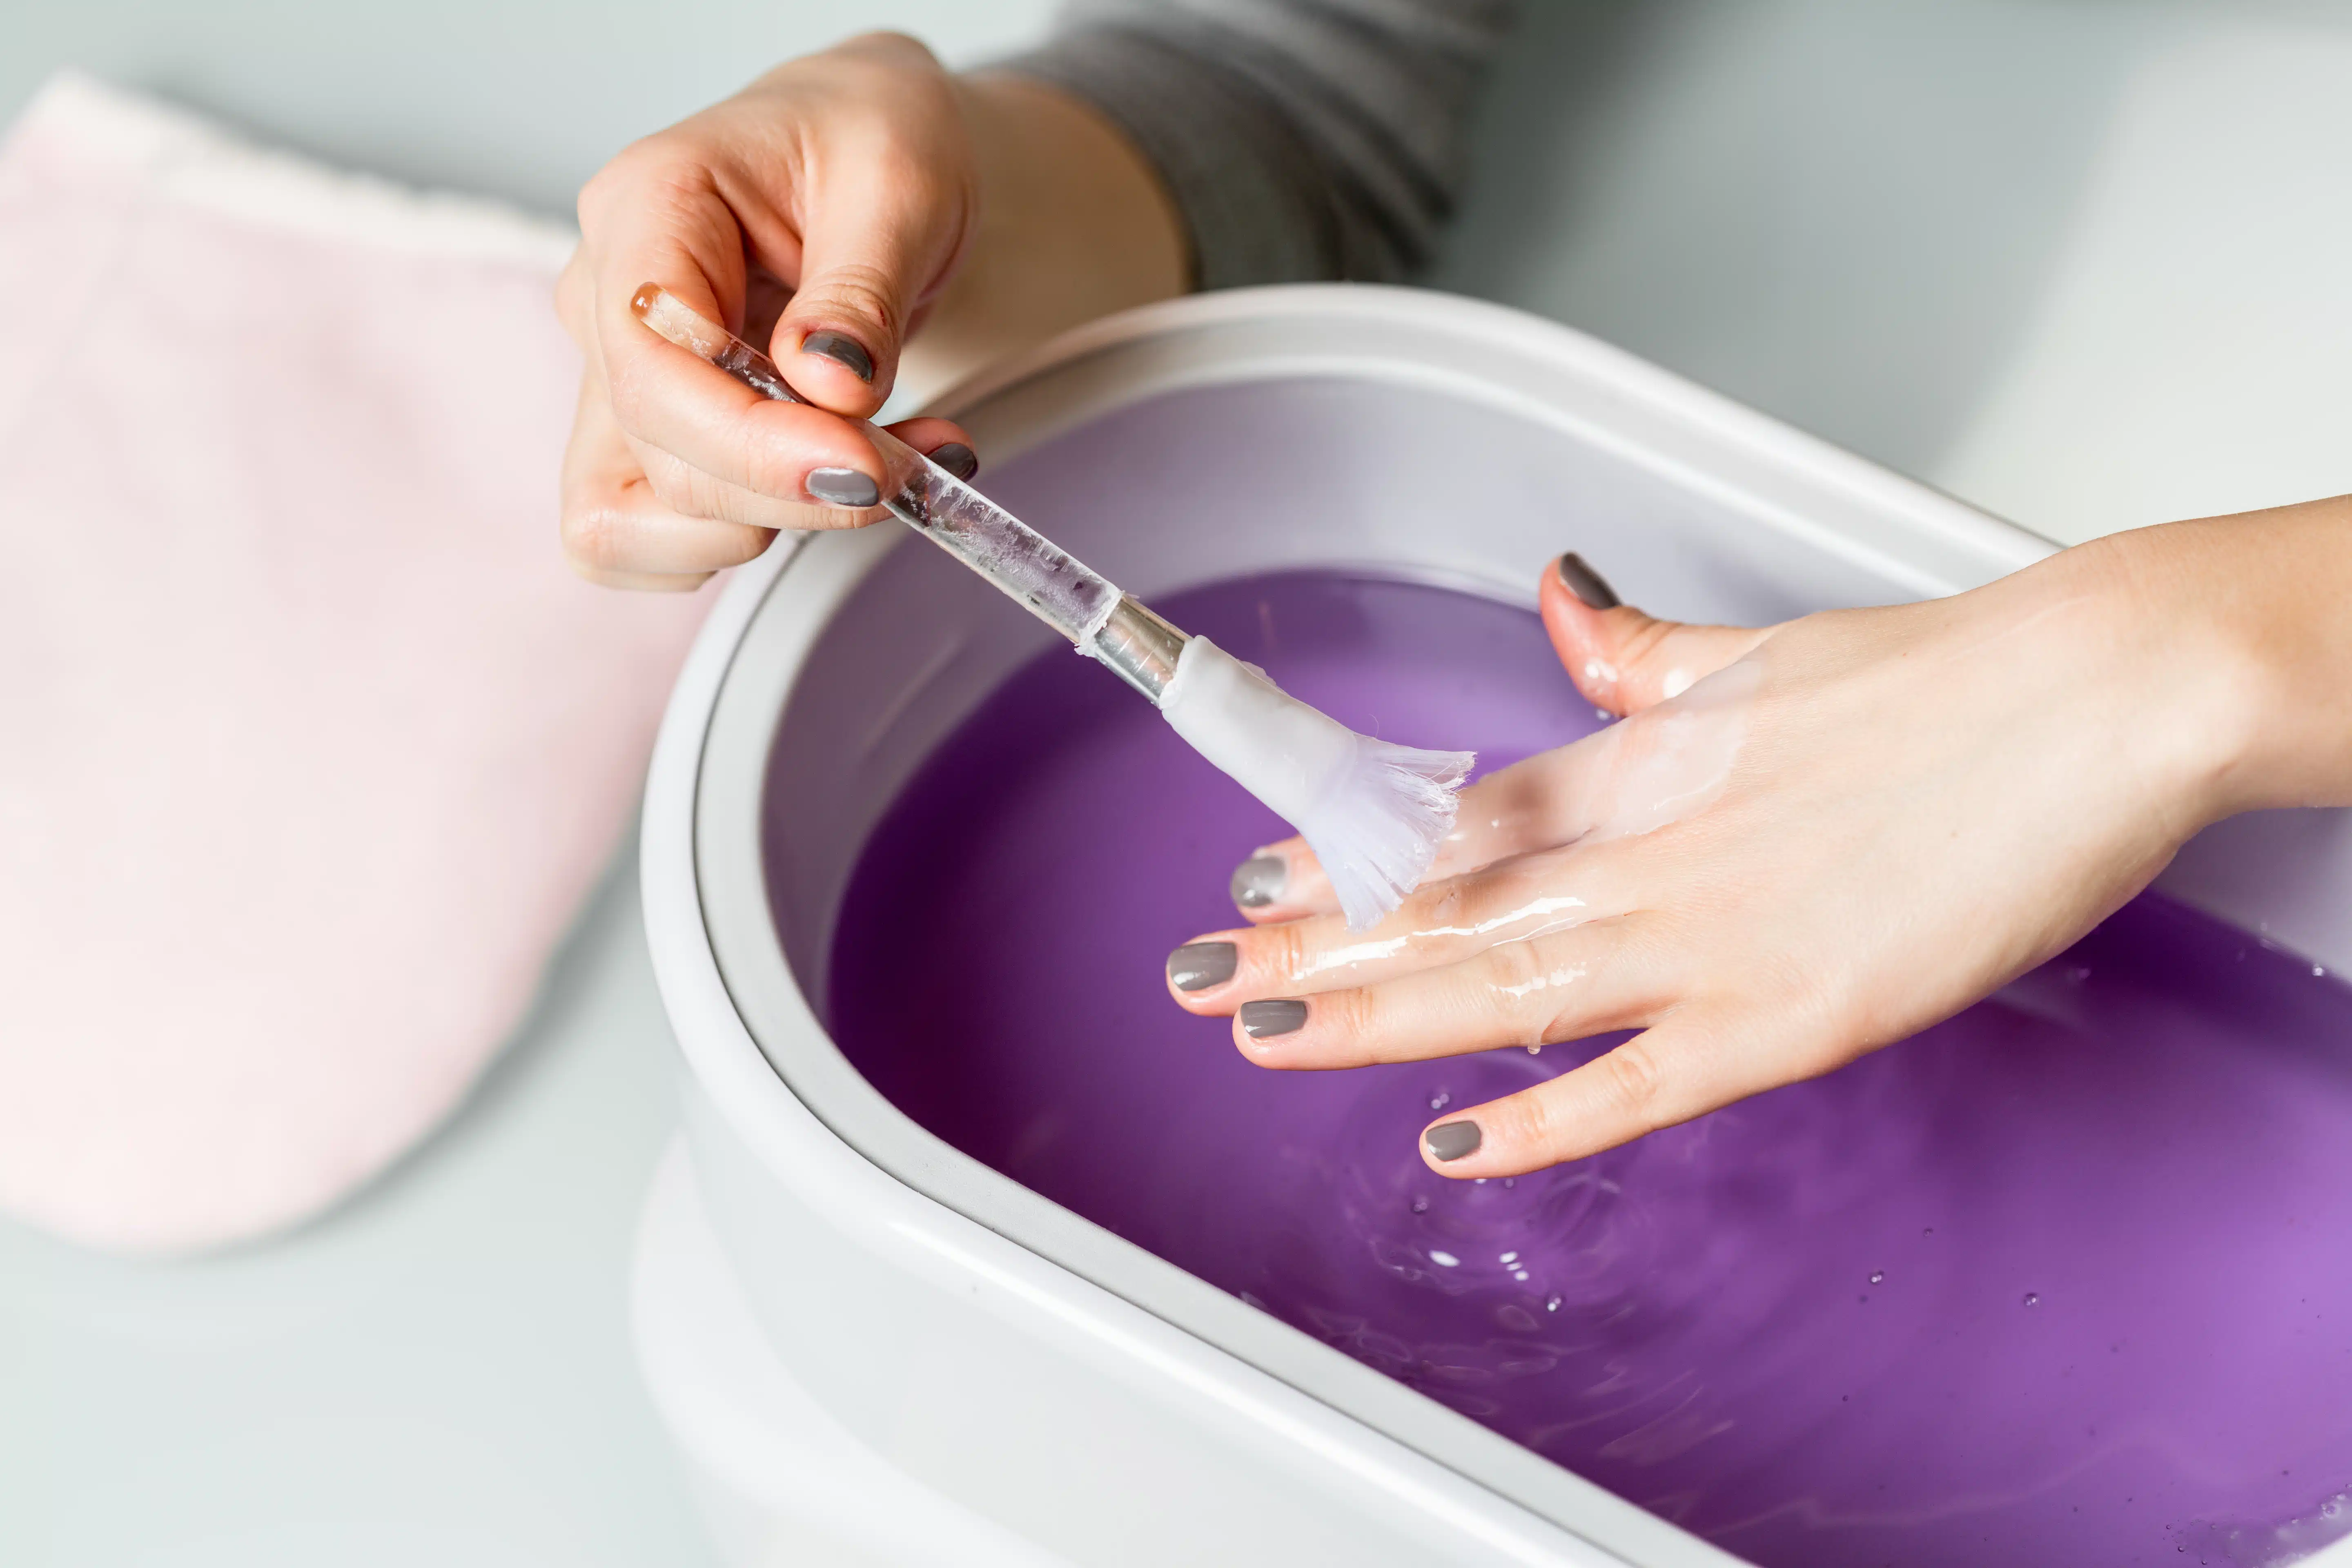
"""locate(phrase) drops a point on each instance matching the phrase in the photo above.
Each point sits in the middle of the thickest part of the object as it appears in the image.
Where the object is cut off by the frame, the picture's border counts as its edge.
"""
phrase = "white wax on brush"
(1372, 812)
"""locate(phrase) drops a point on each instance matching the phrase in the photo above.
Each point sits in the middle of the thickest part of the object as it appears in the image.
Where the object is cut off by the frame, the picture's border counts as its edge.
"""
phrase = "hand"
(826, 211)
(1846, 828)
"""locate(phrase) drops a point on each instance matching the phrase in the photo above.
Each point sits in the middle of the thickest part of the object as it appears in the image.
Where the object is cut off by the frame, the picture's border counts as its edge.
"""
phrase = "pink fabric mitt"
(310, 744)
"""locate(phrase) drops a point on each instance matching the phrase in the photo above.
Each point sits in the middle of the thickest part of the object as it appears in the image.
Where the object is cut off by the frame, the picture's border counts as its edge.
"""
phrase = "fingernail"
(957, 459)
(1279, 1016)
(1589, 586)
(842, 487)
(845, 351)
(1257, 882)
(1197, 966)
(1452, 1140)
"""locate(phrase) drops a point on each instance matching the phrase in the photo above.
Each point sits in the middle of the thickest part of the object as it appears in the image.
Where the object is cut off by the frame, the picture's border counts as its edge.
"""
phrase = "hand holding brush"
(1372, 811)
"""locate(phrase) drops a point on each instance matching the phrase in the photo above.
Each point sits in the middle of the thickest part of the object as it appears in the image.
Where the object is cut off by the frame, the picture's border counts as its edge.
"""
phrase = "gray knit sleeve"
(1300, 139)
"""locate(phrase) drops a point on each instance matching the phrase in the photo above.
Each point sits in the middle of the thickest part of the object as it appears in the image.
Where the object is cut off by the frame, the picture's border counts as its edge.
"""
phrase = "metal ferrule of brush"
(1141, 647)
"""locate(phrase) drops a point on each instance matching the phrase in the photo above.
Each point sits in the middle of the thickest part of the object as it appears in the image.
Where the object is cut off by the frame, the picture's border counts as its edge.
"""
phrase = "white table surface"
(2080, 263)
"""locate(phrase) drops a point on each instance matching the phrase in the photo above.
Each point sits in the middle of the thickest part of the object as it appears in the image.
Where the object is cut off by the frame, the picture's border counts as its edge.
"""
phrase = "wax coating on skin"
(1672, 761)
(1631, 778)
(1535, 911)
(2062, 1280)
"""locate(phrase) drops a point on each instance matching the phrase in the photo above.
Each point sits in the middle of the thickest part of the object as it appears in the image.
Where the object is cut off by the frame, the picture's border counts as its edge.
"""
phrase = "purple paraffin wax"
(2062, 1280)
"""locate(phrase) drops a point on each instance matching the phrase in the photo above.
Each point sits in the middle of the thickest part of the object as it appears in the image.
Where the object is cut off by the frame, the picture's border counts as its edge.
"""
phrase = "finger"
(661, 217)
(873, 243)
(1622, 660)
(1670, 1073)
(1538, 802)
(1440, 923)
(1283, 882)
(618, 531)
(691, 493)
(944, 441)
(1539, 991)
(643, 582)
(793, 452)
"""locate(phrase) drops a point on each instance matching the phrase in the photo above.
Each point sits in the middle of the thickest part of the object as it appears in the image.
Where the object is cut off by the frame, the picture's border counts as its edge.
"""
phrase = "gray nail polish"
(957, 459)
(1279, 1016)
(842, 487)
(1586, 583)
(843, 350)
(1258, 882)
(1197, 966)
(1452, 1140)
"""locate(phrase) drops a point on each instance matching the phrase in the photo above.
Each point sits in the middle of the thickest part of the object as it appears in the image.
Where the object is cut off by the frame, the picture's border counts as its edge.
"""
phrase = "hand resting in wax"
(1808, 841)
(825, 212)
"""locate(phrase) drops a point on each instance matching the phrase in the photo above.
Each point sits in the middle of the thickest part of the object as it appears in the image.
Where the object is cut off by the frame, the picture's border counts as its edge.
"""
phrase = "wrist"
(2245, 619)
(2281, 583)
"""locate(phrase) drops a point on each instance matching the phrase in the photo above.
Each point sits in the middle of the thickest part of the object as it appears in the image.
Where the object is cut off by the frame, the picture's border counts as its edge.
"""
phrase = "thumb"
(1621, 659)
(875, 250)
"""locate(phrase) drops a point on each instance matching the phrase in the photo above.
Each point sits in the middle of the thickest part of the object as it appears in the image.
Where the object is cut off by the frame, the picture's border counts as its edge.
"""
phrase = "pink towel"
(310, 744)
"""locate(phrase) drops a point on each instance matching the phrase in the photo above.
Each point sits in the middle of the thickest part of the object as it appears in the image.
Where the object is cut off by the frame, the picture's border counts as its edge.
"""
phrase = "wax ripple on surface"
(2060, 1281)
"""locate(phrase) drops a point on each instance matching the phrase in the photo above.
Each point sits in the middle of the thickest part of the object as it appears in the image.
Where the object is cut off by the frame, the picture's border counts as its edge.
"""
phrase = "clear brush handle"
(1053, 585)
(1050, 583)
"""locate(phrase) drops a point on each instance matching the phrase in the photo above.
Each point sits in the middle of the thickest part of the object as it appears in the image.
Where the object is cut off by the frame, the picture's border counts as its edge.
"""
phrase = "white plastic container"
(872, 1348)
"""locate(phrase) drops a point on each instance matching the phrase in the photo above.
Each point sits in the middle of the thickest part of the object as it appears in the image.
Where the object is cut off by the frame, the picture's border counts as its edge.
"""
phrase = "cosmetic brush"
(1372, 812)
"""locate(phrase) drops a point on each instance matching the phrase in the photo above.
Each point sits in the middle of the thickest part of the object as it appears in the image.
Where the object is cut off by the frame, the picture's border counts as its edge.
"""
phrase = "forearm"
(1074, 225)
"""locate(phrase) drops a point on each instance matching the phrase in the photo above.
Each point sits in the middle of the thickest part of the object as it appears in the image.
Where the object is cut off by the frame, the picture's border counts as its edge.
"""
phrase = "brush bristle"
(1377, 828)
(1372, 812)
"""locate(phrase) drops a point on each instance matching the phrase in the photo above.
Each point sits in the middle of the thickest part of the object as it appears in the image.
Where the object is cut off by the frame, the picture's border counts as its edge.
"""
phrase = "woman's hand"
(1808, 841)
(826, 211)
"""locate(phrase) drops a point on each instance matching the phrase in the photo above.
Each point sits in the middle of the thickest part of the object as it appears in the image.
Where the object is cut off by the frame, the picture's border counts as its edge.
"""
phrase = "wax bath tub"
(873, 1348)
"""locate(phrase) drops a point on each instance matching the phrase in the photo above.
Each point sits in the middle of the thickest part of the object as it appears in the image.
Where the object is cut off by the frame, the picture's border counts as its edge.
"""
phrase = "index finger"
(1540, 803)
(1662, 764)
(655, 223)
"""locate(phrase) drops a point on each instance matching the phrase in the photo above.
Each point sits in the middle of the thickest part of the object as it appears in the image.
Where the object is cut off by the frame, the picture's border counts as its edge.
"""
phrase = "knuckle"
(1279, 952)
(1531, 1120)
(655, 157)
(677, 486)
(1509, 972)
(595, 537)
(858, 290)
(1632, 1083)
(1815, 999)
(1351, 1020)
(622, 174)
(888, 43)
(1437, 903)
(1644, 643)
(624, 391)
(771, 468)
(1514, 897)
(668, 183)
(833, 518)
